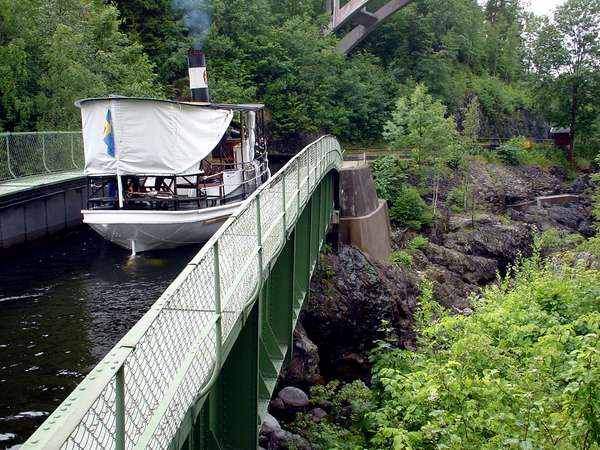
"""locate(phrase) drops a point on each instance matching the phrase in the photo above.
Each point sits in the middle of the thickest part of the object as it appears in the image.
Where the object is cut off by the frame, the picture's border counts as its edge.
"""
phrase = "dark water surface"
(63, 305)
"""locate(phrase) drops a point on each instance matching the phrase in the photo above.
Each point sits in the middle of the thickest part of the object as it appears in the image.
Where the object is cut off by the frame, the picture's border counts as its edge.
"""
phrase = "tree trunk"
(574, 106)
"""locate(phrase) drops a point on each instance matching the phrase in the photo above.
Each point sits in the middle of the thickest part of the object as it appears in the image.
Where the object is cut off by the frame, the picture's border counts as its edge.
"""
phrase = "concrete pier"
(364, 219)
(35, 207)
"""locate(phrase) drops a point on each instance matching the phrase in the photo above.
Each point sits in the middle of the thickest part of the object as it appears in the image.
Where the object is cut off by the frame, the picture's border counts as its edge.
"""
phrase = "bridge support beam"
(365, 22)
(227, 418)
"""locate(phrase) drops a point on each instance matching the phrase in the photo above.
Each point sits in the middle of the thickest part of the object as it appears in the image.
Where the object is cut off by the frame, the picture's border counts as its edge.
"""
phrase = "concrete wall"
(364, 219)
(37, 213)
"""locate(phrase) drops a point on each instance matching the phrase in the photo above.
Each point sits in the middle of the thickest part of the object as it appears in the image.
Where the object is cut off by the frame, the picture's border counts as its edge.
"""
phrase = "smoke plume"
(196, 15)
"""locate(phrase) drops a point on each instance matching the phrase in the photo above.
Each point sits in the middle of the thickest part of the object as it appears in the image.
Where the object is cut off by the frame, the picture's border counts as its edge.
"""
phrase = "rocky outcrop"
(349, 299)
(498, 185)
(489, 236)
(455, 276)
(572, 218)
(303, 369)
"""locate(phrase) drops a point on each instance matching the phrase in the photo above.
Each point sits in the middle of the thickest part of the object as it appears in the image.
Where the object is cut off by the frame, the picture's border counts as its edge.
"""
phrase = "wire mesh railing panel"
(194, 377)
(139, 395)
(5, 173)
(303, 160)
(97, 429)
(271, 215)
(57, 152)
(162, 348)
(238, 265)
(26, 154)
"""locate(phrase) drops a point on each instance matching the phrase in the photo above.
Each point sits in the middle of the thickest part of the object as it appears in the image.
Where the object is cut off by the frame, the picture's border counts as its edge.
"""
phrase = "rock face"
(489, 238)
(499, 185)
(573, 218)
(349, 300)
(303, 369)
(455, 275)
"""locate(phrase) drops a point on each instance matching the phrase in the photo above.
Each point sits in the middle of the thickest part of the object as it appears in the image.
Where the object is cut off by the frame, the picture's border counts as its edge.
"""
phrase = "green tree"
(504, 45)
(471, 123)
(567, 61)
(419, 124)
(58, 51)
(155, 25)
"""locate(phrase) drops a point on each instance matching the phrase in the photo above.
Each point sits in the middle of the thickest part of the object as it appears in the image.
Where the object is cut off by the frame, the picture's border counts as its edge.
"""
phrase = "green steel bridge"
(198, 370)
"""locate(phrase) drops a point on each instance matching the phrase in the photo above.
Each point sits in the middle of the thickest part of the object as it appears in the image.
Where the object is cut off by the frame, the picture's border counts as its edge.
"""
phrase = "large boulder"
(571, 218)
(269, 425)
(294, 397)
(284, 440)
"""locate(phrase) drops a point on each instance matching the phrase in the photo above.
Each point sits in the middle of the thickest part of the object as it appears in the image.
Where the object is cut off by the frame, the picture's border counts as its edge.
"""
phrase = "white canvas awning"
(131, 136)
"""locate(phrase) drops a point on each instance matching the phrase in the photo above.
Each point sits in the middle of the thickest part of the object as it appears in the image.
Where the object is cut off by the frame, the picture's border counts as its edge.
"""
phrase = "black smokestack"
(198, 76)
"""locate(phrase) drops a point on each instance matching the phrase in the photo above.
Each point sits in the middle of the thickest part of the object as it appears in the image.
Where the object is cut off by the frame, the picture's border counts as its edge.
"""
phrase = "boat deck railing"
(166, 197)
(39, 153)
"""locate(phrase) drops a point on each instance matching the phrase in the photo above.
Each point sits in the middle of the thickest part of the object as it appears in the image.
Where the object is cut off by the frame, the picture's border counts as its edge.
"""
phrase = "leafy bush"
(522, 372)
(508, 154)
(419, 242)
(409, 209)
(592, 246)
(596, 179)
(388, 176)
(554, 239)
(401, 259)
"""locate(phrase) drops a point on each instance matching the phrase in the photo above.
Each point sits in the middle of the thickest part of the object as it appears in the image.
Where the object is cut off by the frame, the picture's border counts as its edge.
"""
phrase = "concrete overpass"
(363, 20)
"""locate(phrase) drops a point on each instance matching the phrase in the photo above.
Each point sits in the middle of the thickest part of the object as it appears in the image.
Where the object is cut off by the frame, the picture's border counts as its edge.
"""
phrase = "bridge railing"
(140, 393)
(37, 153)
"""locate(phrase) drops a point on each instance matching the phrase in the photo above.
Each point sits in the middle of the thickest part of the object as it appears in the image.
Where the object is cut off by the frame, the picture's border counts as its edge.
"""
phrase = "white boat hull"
(141, 231)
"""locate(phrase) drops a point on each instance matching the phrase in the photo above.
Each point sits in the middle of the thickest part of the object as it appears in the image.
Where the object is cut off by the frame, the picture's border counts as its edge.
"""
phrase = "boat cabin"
(149, 154)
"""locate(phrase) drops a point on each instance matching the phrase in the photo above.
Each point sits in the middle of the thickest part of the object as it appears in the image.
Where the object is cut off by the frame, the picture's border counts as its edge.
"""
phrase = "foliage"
(52, 53)
(156, 26)
(419, 123)
(401, 259)
(566, 59)
(389, 174)
(592, 245)
(419, 242)
(522, 151)
(523, 371)
(409, 209)
(596, 179)
(461, 198)
(259, 51)
(554, 239)
(344, 403)
(471, 124)
(508, 154)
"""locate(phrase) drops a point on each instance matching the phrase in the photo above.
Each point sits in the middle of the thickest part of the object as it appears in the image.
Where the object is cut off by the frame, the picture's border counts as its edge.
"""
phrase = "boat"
(163, 173)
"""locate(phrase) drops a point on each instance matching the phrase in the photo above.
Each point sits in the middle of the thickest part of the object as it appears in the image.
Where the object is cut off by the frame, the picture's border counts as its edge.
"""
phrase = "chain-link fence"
(139, 394)
(37, 153)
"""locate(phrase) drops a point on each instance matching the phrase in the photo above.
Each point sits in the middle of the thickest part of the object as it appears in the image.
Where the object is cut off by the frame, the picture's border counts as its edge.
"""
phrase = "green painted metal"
(198, 370)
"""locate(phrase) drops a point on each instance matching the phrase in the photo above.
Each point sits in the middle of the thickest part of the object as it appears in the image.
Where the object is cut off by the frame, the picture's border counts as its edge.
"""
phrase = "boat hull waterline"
(141, 231)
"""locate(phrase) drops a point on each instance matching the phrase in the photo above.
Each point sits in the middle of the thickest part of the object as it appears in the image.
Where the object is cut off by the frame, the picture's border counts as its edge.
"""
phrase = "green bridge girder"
(230, 416)
(198, 370)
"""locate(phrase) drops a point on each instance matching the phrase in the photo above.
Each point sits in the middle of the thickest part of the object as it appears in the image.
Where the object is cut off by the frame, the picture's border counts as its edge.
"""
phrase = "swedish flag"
(109, 138)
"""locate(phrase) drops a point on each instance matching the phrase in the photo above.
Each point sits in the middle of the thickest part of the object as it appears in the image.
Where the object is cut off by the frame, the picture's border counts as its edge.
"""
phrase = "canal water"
(63, 305)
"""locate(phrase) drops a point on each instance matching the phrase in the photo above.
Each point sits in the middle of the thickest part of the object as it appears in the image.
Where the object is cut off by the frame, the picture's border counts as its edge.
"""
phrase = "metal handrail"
(138, 395)
(25, 154)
